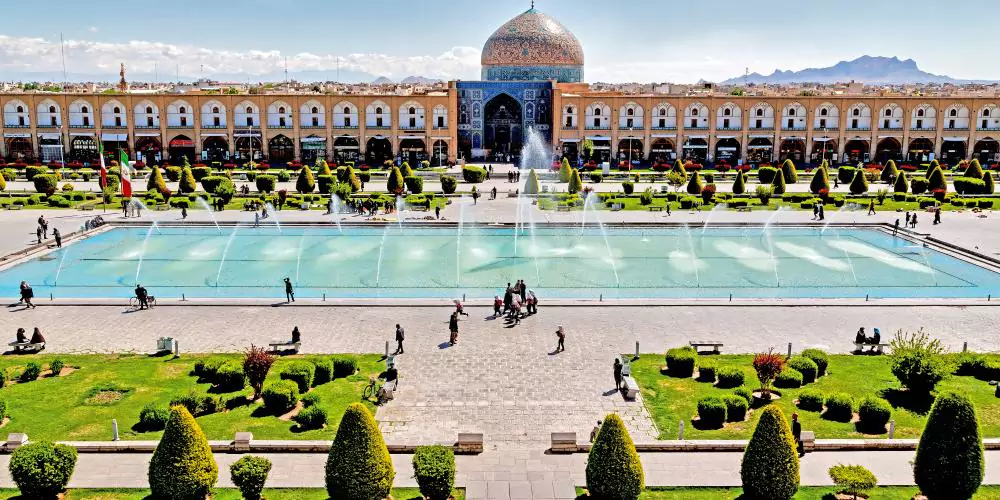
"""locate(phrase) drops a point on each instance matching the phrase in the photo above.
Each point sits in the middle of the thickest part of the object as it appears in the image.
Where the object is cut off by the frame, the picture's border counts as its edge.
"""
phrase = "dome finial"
(532, 4)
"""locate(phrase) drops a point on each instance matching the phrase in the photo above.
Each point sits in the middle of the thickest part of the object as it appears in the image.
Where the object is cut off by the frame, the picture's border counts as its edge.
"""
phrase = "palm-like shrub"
(613, 468)
(770, 466)
(853, 479)
(917, 361)
(256, 364)
(949, 461)
(358, 466)
(767, 365)
(182, 467)
(42, 469)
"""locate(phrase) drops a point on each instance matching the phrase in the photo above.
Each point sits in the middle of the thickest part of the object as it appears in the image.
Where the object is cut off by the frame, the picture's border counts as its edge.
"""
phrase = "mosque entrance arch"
(503, 125)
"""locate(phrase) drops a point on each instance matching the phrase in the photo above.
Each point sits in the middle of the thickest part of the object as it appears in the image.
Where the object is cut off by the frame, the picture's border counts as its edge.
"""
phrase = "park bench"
(615, 207)
(743, 209)
(285, 345)
(87, 208)
(716, 346)
(563, 208)
(14, 207)
(563, 442)
(860, 348)
(27, 346)
(656, 208)
(630, 389)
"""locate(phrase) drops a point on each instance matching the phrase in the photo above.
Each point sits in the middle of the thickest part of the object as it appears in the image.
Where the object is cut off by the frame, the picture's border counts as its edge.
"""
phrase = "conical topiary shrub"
(531, 186)
(394, 183)
(187, 183)
(156, 182)
(353, 180)
(949, 461)
(820, 181)
(322, 168)
(405, 170)
(936, 181)
(694, 184)
(565, 171)
(358, 467)
(306, 183)
(889, 171)
(770, 467)
(988, 187)
(575, 182)
(613, 468)
(182, 467)
(779, 184)
(859, 185)
(975, 170)
(740, 184)
(901, 185)
(679, 168)
(788, 171)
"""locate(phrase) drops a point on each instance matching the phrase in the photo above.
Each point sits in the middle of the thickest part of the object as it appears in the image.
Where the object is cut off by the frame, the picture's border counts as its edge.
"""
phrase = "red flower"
(229, 165)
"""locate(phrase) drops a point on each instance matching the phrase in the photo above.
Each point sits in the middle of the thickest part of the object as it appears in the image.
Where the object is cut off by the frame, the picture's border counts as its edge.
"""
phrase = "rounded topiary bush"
(820, 358)
(839, 407)
(806, 367)
(730, 377)
(788, 379)
(249, 474)
(153, 418)
(323, 371)
(31, 371)
(811, 400)
(280, 396)
(448, 184)
(358, 466)
(229, 377)
(874, 413)
(434, 470)
(311, 417)
(711, 412)
(736, 408)
(706, 370)
(300, 372)
(344, 366)
(42, 469)
(613, 467)
(770, 466)
(949, 461)
(182, 467)
(744, 392)
(681, 361)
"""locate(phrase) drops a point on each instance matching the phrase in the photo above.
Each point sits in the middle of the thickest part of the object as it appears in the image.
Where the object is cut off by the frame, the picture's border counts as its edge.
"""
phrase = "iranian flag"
(126, 174)
(104, 170)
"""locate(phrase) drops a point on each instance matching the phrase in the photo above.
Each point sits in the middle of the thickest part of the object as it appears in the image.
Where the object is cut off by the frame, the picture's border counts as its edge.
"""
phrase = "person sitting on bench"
(876, 339)
(860, 337)
(296, 336)
(21, 337)
(36, 337)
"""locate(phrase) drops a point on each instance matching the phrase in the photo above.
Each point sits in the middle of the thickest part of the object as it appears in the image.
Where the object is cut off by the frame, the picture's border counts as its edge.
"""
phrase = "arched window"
(920, 112)
(215, 109)
(249, 109)
(694, 112)
(791, 112)
(315, 109)
(597, 111)
(378, 111)
(760, 111)
(824, 112)
(281, 109)
(412, 110)
(20, 109)
(986, 113)
(727, 112)
(954, 112)
(83, 109)
(149, 110)
(630, 112)
(857, 112)
(569, 110)
(663, 111)
(117, 110)
(52, 109)
(347, 110)
(184, 110)
(888, 112)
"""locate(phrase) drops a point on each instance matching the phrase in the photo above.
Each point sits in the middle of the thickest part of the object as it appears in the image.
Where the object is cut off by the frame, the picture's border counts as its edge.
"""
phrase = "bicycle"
(133, 303)
(381, 392)
(372, 389)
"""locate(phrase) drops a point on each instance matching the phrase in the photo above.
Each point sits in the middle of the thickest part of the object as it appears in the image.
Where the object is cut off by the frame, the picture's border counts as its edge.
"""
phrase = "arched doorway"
(83, 148)
(378, 150)
(662, 151)
(280, 149)
(987, 151)
(630, 150)
(19, 149)
(888, 149)
(695, 150)
(249, 148)
(727, 151)
(823, 149)
(571, 151)
(465, 148)
(313, 148)
(215, 149)
(856, 150)
(952, 151)
(50, 148)
(920, 150)
(179, 148)
(148, 150)
(760, 150)
(502, 125)
(345, 149)
(792, 149)
(413, 151)
(114, 145)
(439, 153)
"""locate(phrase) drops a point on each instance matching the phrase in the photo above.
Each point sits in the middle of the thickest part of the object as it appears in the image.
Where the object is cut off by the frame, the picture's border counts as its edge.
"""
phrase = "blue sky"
(635, 40)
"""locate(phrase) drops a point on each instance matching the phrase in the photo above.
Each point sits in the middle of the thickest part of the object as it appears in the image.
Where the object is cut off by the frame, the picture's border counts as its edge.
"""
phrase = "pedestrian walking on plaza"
(459, 309)
(618, 374)
(907, 220)
(913, 221)
(508, 298)
(42, 223)
(797, 434)
(816, 211)
(497, 306)
(871, 207)
(289, 292)
(493, 193)
(453, 328)
(38, 233)
(27, 294)
(125, 208)
(522, 289)
(895, 227)
(822, 214)
(57, 236)
(937, 216)
(138, 210)
(184, 213)
(437, 212)
(256, 218)
(561, 334)
(399, 339)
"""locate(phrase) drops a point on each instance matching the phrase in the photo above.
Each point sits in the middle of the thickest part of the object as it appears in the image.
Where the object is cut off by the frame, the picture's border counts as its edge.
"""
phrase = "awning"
(310, 146)
(313, 139)
(821, 139)
(377, 136)
(696, 146)
(82, 134)
(244, 133)
(439, 138)
(602, 147)
(954, 139)
(147, 134)
(114, 137)
(17, 135)
(212, 134)
(793, 138)
(888, 136)
(182, 143)
(761, 136)
(599, 137)
(758, 146)
(696, 136)
(44, 135)
(346, 147)
(730, 148)
(663, 136)
(570, 140)
(724, 137)
(412, 136)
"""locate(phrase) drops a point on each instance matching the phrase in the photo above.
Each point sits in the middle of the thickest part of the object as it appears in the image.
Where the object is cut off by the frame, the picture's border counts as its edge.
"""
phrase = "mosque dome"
(532, 46)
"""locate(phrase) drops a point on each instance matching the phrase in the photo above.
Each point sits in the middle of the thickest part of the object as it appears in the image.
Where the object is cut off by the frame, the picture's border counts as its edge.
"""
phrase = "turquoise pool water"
(565, 262)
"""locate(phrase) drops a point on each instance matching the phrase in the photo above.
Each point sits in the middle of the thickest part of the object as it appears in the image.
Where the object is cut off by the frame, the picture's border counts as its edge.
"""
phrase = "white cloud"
(26, 54)
(93, 29)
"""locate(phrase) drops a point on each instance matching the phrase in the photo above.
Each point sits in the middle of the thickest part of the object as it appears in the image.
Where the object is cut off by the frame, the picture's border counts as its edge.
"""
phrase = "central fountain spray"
(537, 155)
(204, 205)
(335, 211)
(611, 257)
(225, 251)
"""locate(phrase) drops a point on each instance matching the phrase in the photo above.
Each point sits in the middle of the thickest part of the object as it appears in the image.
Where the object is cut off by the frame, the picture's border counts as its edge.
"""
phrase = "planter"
(774, 396)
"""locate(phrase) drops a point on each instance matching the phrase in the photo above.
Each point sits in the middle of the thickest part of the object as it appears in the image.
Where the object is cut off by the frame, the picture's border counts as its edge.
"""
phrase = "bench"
(161, 208)
(563, 442)
(631, 388)
(563, 208)
(615, 207)
(743, 209)
(716, 346)
(653, 208)
(87, 208)
(808, 440)
(469, 443)
(858, 347)
(285, 345)
(14, 207)
(27, 346)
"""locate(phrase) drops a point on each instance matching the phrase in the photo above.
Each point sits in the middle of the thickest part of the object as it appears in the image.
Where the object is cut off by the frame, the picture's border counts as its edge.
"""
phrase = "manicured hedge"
(811, 400)
(613, 467)
(874, 414)
(358, 466)
(473, 174)
(448, 184)
(730, 376)
(839, 407)
(706, 370)
(788, 379)
(300, 372)
(770, 466)
(230, 377)
(434, 470)
(43, 469)
(312, 417)
(949, 461)
(806, 367)
(344, 366)
(681, 361)
(153, 418)
(182, 466)
(820, 358)
(744, 392)
(249, 474)
(711, 412)
(736, 408)
(280, 396)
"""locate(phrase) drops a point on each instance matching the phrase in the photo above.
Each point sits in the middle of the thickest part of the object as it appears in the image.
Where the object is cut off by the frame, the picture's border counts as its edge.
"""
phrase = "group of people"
(42, 232)
(142, 295)
(874, 340)
(911, 220)
(514, 176)
(818, 213)
(36, 337)
(26, 295)
(369, 206)
(518, 302)
(131, 209)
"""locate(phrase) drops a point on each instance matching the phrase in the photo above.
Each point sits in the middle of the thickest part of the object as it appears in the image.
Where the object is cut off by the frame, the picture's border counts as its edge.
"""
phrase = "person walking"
(493, 193)
(57, 236)
(871, 207)
(508, 298)
(399, 339)
(289, 291)
(459, 308)
(184, 213)
(38, 234)
(561, 334)
(522, 289)
(816, 211)
(907, 224)
(497, 306)
(44, 224)
(937, 216)
(822, 214)
(27, 294)
(913, 221)
(453, 328)
(618, 373)
(797, 434)
(895, 227)
(437, 212)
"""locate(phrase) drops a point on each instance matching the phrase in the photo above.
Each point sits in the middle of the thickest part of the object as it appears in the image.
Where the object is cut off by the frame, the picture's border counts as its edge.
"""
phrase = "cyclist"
(142, 296)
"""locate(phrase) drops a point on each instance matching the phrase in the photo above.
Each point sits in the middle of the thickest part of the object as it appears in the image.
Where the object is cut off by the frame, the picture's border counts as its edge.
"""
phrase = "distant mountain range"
(865, 69)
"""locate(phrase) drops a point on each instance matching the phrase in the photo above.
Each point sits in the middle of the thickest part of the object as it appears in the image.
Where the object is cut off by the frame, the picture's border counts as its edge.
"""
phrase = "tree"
(256, 364)
(358, 466)
(901, 185)
(587, 146)
(931, 166)
(949, 461)
(820, 181)
(575, 183)
(988, 187)
(694, 184)
(770, 466)
(306, 183)
(853, 479)
(565, 171)
(405, 170)
(678, 168)
(936, 181)
(352, 179)
(789, 172)
(917, 361)
(531, 185)
(563, 163)
(889, 172)
(42, 469)
(156, 182)
(613, 468)
(394, 183)
(739, 186)
(859, 185)
(187, 183)
(779, 183)
(322, 168)
(182, 467)
(975, 170)
(767, 365)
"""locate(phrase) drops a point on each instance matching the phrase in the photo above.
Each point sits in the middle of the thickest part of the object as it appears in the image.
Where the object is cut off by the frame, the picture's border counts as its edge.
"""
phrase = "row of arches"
(794, 116)
(214, 114)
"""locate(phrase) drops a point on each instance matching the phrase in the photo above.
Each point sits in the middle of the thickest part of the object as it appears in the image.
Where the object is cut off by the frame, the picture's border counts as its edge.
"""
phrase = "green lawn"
(805, 493)
(57, 408)
(670, 400)
(223, 493)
